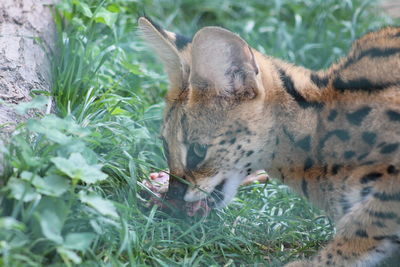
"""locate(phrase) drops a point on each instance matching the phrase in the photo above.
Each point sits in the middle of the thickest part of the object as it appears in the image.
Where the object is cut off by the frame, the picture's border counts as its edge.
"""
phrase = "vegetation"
(70, 194)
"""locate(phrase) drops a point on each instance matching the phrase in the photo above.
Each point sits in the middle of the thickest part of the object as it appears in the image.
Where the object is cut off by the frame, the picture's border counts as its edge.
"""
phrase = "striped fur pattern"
(333, 135)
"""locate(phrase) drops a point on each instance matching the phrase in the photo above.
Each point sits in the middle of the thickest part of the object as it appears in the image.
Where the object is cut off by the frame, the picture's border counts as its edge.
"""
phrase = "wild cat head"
(213, 110)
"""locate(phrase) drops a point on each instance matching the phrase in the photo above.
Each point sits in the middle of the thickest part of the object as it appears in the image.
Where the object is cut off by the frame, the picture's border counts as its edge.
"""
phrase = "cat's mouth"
(199, 207)
(159, 185)
(204, 206)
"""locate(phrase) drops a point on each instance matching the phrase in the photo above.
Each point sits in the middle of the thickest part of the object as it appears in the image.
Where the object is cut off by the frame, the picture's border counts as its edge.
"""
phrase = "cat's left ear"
(168, 46)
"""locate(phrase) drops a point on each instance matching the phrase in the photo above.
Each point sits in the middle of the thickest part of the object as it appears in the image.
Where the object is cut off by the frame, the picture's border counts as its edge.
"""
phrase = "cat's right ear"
(165, 44)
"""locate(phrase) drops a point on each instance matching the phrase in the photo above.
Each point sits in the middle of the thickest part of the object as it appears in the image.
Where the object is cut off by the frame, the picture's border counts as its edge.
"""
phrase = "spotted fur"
(333, 136)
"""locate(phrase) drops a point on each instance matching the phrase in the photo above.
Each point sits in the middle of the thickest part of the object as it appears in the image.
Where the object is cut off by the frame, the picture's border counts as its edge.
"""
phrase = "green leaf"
(37, 103)
(140, 133)
(69, 254)
(66, 124)
(153, 114)
(106, 17)
(104, 206)
(78, 146)
(64, 6)
(51, 214)
(78, 241)
(85, 9)
(40, 92)
(76, 167)
(132, 68)
(21, 190)
(51, 225)
(51, 185)
(52, 134)
(113, 8)
(119, 111)
(53, 128)
(27, 157)
(54, 185)
(79, 24)
(9, 223)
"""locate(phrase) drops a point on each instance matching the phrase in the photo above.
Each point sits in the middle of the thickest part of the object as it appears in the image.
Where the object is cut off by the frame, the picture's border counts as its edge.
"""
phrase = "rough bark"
(391, 7)
(26, 32)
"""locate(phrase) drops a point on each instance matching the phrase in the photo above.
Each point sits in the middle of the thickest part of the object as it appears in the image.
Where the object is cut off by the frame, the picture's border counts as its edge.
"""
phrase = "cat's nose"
(176, 189)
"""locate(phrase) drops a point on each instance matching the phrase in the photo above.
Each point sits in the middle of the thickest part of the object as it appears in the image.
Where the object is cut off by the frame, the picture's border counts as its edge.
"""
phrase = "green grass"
(70, 194)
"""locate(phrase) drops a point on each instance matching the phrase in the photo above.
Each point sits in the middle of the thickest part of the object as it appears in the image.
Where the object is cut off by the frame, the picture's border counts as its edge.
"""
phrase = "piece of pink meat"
(158, 184)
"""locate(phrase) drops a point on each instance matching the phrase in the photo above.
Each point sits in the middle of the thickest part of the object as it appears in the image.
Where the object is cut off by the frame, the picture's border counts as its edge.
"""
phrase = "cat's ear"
(167, 46)
(223, 63)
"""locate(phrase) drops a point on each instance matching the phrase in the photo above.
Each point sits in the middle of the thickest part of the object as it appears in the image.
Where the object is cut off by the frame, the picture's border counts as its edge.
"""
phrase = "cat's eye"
(196, 154)
(200, 150)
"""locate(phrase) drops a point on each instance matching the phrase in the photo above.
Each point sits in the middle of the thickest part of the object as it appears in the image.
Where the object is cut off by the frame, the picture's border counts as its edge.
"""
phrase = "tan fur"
(332, 136)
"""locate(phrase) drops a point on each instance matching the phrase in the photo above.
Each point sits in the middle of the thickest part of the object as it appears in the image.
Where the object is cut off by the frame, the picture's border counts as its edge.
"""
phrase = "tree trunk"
(27, 31)
(27, 35)
(391, 7)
